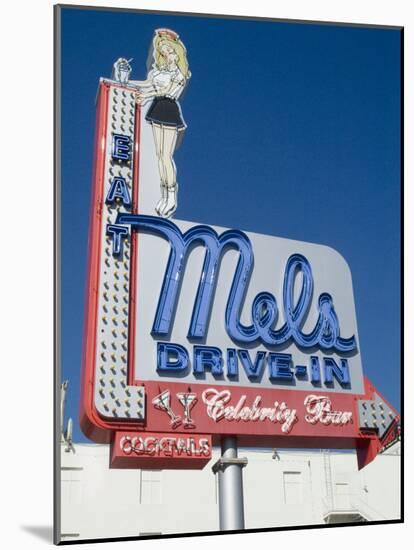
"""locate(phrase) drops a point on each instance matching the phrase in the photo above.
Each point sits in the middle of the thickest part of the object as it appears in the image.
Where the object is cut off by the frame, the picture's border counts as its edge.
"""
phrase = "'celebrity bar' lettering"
(218, 408)
(264, 311)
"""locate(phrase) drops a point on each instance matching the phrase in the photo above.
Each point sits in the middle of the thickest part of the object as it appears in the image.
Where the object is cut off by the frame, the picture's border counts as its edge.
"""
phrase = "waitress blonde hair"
(170, 38)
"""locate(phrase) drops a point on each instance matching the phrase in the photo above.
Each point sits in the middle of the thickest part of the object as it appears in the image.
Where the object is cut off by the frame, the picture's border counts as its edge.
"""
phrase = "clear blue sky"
(302, 126)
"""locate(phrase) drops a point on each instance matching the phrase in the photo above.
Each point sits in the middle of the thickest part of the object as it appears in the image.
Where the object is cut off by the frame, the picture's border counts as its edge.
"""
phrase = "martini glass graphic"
(187, 400)
(162, 402)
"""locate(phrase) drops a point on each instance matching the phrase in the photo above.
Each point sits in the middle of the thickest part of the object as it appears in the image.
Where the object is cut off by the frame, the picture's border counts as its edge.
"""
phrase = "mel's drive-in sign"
(194, 331)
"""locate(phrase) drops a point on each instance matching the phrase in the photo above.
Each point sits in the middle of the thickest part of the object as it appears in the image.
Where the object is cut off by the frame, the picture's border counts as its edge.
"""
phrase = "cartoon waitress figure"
(165, 83)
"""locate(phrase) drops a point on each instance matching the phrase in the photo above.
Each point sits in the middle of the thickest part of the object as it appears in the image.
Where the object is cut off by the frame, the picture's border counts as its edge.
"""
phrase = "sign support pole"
(230, 482)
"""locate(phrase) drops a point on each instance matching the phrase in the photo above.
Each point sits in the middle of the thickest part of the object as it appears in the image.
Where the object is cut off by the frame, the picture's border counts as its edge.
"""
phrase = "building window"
(71, 502)
(293, 487)
(342, 496)
(150, 487)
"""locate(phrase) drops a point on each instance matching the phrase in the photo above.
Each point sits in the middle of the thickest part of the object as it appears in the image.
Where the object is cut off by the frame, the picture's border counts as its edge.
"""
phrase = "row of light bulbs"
(112, 385)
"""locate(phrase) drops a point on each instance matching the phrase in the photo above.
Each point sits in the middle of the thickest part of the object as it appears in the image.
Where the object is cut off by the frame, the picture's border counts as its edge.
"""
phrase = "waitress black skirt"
(166, 111)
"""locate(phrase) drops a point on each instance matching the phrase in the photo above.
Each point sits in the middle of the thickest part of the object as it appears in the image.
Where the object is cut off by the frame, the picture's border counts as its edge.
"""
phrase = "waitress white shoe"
(162, 202)
(171, 202)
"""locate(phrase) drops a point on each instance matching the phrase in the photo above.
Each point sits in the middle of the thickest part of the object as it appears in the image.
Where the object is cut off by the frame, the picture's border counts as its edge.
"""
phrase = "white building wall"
(286, 489)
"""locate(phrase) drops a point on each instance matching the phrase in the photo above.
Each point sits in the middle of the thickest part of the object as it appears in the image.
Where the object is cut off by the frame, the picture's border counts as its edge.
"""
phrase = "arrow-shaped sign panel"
(375, 414)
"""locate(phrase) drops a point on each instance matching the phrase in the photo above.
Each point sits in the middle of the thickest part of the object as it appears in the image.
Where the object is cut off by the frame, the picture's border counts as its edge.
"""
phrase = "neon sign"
(182, 334)
(160, 450)
(264, 311)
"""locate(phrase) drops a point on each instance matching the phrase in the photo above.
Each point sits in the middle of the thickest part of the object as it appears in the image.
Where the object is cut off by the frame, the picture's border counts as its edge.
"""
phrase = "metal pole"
(230, 482)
